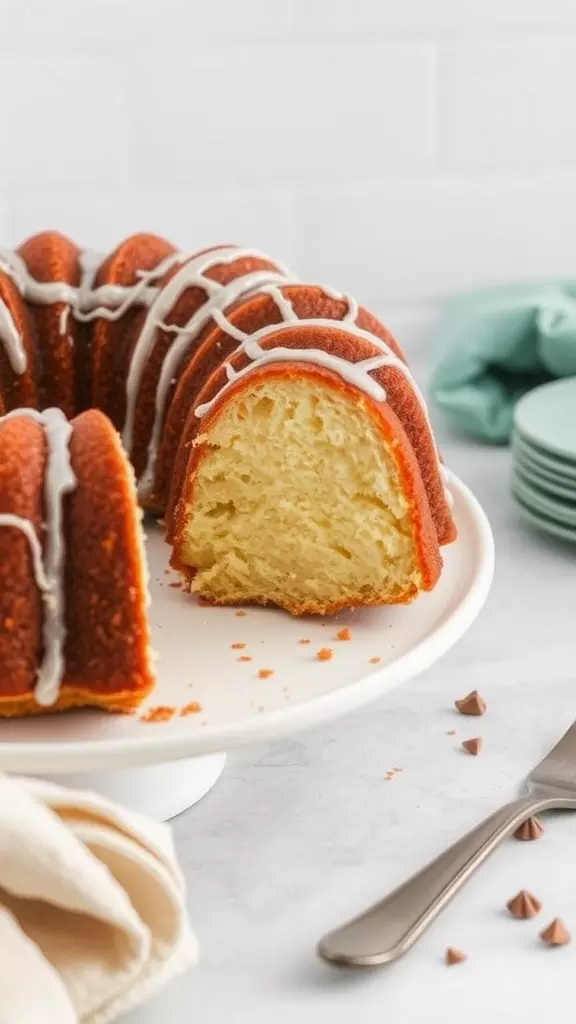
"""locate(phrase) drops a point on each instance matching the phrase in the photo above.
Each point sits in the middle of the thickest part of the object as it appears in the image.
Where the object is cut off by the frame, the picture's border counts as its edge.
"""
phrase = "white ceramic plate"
(198, 663)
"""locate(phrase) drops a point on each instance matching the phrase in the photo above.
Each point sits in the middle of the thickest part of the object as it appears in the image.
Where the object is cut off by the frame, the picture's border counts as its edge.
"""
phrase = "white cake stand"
(162, 767)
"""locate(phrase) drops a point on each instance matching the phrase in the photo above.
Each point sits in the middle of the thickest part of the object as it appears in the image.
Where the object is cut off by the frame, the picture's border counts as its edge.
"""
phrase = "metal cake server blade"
(387, 930)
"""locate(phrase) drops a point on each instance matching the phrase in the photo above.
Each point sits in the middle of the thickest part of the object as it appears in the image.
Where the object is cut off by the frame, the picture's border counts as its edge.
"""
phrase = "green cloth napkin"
(497, 345)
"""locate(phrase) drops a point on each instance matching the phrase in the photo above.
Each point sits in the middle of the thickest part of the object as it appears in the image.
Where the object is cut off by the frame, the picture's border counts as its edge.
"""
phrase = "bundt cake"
(273, 424)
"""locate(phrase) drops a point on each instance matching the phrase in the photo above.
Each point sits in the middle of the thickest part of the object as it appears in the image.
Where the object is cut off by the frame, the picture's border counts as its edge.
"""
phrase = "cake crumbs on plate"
(192, 708)
(240, 614)
(176, 585)
(375, 660)
(324, 654)
(244, 657)
(451, 732)
(344, 634)
(303, 641)
(167, 572)
(265, 673)
(160, 713)
(238, 647)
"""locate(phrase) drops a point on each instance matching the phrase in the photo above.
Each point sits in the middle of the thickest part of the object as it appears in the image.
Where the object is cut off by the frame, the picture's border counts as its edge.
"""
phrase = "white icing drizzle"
(220, 296)
(109, 301)
(49, 566)
(39, 292)
(350, 317)
(285, 307)
(63, 320)
(355, 373)
(11, 340)
(25, 527)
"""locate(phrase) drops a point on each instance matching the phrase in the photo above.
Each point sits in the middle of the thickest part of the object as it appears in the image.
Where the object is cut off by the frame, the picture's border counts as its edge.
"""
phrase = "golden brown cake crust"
(112, 341)
(18, 390)
(50, 256)
(107, 648)
(22, 463)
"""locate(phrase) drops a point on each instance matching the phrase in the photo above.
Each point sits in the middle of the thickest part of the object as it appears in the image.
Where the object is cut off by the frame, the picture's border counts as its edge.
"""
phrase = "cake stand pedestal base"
(160, 790)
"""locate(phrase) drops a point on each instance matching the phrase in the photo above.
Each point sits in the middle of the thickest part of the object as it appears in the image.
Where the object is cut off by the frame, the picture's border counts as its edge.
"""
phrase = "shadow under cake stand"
(219, 659)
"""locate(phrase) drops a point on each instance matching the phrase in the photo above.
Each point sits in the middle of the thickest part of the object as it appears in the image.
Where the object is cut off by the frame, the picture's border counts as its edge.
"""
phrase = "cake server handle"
(387, 930)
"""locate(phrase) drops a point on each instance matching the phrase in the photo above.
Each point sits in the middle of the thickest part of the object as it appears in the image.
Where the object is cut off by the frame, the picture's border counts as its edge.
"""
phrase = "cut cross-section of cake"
(311, 480)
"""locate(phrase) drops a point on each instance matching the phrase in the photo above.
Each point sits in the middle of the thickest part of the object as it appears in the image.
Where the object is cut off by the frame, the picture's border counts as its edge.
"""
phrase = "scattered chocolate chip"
(473, 746)
(529, 829)
(454, 956)
(524, 905)
(556, 934)
(472, 704)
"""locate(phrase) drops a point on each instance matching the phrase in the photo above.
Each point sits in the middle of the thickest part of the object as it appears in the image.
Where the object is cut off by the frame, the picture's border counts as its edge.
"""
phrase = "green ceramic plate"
(561, 469)
(557, 487)
(546, 416)
(542, 523)
(561, 512)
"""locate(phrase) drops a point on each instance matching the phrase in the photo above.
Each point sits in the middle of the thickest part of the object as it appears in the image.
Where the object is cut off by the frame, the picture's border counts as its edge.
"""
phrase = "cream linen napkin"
(92, 906)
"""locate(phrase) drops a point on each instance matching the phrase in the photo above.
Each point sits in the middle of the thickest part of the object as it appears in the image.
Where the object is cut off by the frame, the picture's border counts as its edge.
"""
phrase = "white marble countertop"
(300, 834)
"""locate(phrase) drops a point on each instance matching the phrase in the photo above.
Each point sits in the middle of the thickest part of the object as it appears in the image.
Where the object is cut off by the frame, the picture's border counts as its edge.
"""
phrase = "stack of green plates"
(544, 458)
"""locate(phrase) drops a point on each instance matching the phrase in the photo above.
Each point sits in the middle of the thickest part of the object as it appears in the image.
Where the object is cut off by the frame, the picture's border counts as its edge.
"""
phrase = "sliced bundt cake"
(273, 424)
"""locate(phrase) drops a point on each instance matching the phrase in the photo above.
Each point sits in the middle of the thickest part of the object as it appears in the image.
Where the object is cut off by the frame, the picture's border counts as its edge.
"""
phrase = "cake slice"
(312, 480)
(73, 591)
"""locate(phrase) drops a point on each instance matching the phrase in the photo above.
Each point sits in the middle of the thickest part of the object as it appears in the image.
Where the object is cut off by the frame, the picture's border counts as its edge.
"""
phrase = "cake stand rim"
(128, 752)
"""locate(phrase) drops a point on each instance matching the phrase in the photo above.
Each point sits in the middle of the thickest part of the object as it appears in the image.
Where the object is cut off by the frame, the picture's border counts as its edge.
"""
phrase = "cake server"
(387, 930)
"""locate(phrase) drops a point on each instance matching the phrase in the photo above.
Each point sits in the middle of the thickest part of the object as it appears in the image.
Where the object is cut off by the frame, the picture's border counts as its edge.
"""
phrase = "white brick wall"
(402, 149)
